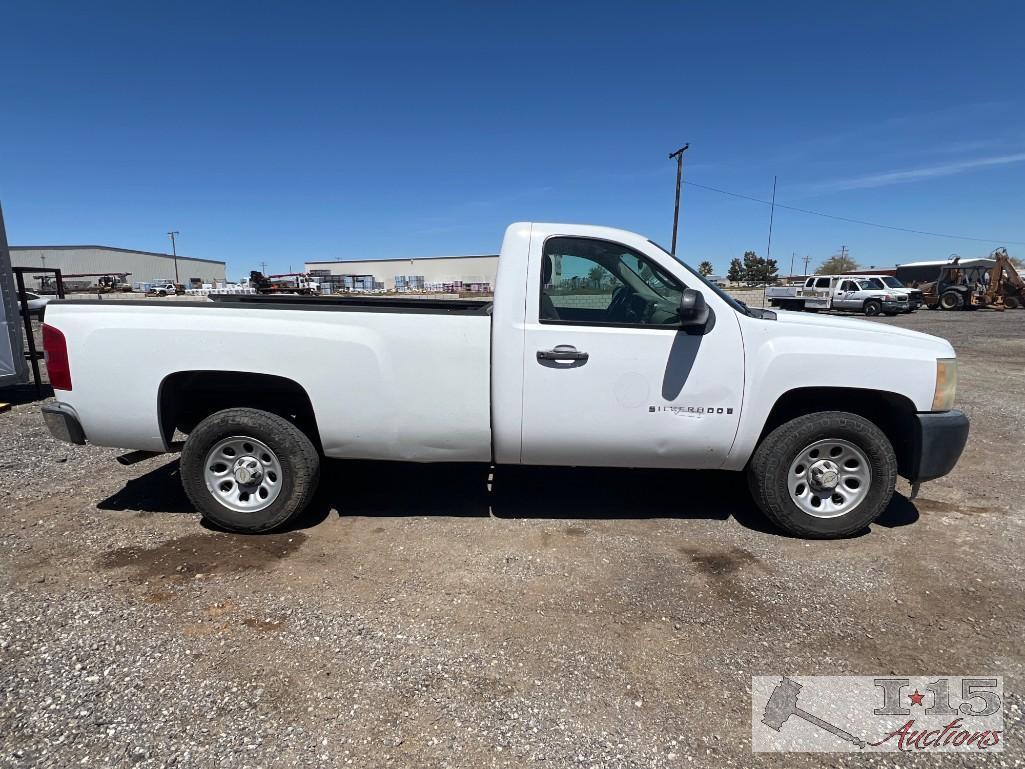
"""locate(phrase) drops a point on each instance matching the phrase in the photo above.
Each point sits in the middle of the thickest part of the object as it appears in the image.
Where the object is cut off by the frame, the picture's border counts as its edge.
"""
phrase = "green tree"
(736, 271)
(837, 265)
(596, 275)
(705, 269)
(758, 269)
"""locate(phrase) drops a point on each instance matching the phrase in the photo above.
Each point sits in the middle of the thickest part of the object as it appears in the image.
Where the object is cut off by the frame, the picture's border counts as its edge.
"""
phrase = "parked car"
(36, 303)
(837, 292)
(599, 349)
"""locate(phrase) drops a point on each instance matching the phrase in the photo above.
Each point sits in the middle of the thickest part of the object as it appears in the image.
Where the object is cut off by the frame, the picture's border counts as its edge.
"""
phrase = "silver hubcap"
(243, 474)
(829, 478)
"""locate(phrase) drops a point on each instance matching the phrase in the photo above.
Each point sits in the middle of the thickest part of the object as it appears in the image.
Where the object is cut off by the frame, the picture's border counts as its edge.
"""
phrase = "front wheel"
(951, 300)
(823, 476)
(249, 470)
(872, 307)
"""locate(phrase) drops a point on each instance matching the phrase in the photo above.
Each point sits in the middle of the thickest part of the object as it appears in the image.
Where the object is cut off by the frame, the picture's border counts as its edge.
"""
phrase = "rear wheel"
(873, 307)
(1012, 302)
(951, 300)
(823, 476)
(249, 470)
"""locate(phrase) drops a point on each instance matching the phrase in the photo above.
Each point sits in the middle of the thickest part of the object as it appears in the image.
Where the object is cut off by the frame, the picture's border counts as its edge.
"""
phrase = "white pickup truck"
(600, 349)
(840, 292)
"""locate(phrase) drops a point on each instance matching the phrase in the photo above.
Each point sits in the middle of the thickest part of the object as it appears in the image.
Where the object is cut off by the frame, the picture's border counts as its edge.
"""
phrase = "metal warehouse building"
(432, 269)
(142, 266)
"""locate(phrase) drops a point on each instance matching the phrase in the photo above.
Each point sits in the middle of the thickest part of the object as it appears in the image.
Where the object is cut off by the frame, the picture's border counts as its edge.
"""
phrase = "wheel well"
(892, 413)
(188, 397)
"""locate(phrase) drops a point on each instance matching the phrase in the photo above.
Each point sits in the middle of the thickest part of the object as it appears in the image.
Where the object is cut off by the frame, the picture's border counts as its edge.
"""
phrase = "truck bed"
(362, 303)
(386, 379)
(325, 303)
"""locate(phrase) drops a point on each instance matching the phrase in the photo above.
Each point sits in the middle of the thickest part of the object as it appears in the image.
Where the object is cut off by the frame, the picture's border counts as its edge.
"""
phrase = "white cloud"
(917, 174)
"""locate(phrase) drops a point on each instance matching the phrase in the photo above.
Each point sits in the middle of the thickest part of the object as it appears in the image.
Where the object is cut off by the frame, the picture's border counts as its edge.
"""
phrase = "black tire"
(768, 468)
(951, 300)
(873, 307)
(1012, 302)
(299, 459)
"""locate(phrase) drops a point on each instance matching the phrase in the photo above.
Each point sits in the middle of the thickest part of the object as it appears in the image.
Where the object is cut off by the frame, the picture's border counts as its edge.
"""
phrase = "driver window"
(595, 281)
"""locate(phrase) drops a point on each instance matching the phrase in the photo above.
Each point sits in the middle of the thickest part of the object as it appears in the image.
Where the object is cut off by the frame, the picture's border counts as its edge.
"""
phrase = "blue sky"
(288, 132)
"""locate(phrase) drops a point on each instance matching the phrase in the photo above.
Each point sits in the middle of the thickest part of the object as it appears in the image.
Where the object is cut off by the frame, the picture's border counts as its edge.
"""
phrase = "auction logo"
(864, 713)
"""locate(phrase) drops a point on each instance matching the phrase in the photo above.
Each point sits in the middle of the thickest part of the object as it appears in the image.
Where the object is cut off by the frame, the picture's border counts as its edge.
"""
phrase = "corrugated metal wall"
(143, 266)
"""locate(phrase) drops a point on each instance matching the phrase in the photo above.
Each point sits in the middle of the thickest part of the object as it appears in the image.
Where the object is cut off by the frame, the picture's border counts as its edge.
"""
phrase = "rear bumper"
(937, 444)
(62, 422)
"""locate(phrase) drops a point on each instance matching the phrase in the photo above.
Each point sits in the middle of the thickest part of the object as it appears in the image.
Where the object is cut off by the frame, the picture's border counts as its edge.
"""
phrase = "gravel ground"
(417, 619)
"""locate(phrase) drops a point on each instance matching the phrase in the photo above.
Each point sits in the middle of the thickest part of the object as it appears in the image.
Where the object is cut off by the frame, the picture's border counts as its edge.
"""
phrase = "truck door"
(609, 377)
(820, 294)
(846, 296)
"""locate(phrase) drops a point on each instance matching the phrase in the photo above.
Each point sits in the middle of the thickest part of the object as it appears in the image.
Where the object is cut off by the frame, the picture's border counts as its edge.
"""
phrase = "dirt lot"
(568, 618)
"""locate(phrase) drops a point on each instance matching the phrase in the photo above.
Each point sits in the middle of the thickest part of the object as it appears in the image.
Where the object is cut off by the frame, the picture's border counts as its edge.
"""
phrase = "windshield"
(736, 305)
(892, 282)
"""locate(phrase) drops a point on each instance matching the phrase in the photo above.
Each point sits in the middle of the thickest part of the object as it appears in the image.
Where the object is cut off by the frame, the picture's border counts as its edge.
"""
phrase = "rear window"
(822, 283)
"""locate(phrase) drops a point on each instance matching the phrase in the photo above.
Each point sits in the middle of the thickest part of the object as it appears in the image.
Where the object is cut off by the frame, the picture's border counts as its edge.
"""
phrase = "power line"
(853, 221)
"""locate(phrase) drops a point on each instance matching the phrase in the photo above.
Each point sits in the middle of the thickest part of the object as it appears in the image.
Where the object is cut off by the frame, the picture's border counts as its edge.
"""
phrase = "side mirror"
(693, 310)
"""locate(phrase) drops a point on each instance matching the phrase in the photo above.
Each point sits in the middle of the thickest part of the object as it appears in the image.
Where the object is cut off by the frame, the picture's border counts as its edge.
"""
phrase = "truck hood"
(850, 328)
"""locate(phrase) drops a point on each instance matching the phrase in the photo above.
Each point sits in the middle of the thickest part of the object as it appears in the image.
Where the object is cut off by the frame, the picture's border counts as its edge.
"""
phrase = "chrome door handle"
(562, 352)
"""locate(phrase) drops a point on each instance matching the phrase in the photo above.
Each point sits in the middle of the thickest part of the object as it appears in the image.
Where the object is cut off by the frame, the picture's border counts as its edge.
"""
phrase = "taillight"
(55, 349)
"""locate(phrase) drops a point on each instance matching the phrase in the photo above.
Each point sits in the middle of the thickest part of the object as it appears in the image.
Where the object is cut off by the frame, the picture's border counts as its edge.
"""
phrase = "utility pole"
(843, 258)
(807, 259)
(772, 213)
(174, 252)
(263, 268)
(679, 178)
(793, 255)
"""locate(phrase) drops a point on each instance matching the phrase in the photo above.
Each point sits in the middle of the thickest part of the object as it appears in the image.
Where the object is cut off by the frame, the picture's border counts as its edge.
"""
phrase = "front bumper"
(937, 441)
(895, 306)
(62, 422)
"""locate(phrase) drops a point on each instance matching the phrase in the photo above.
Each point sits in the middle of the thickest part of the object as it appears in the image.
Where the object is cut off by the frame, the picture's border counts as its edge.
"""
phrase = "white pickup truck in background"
(600, 349)
(839, 292)
(892, 285)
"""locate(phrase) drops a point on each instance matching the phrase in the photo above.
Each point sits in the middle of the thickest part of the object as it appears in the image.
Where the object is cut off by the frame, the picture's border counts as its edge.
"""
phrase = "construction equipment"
(1005, 284)
(293, 283)
(964, 285)
(105, 283)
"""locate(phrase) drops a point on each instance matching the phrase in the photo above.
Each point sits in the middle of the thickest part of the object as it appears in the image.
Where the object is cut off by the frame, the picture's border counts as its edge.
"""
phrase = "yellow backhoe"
(965, 287)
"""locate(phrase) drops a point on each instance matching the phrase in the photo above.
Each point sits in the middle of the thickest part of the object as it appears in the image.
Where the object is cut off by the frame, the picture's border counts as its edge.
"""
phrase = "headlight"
(946, 384)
